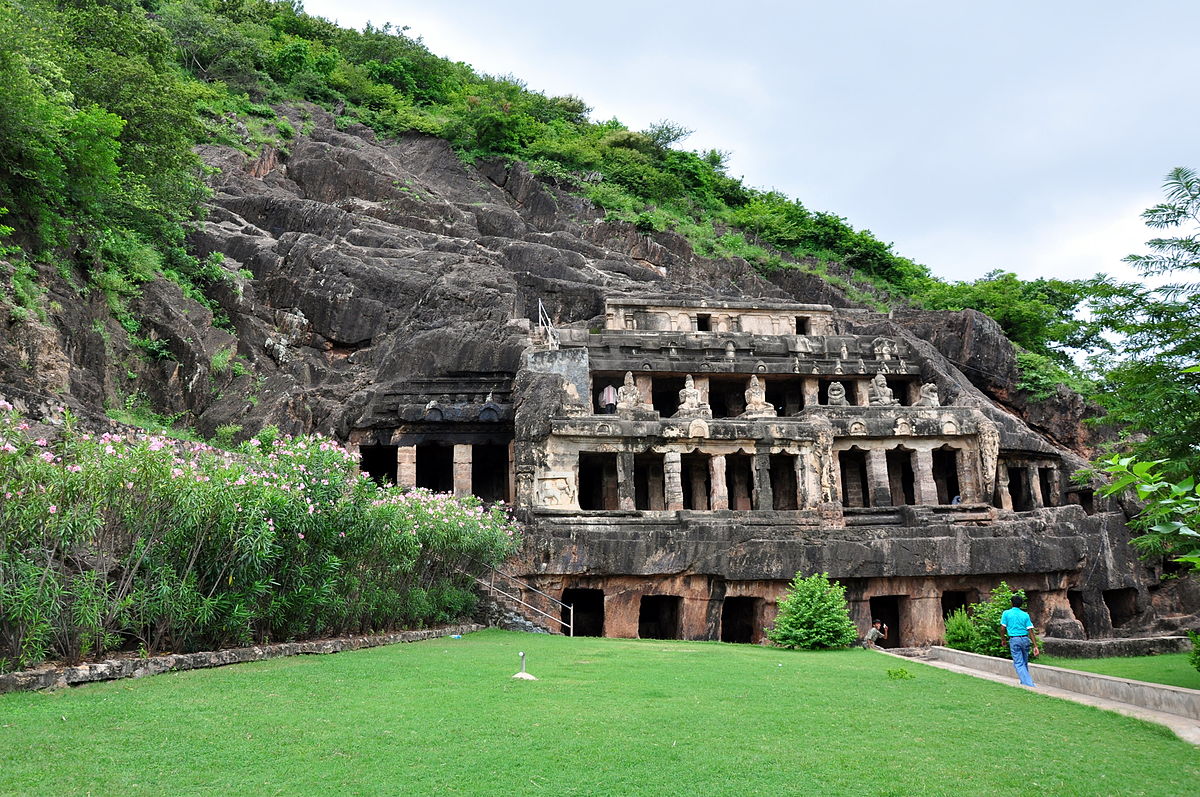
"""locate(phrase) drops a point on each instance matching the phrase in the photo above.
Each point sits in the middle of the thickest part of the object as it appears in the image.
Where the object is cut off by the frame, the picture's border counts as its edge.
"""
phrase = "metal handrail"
(570, 607)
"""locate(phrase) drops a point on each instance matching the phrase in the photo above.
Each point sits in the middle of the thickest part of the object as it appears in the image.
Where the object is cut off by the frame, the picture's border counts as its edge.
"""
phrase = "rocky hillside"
(357, 264)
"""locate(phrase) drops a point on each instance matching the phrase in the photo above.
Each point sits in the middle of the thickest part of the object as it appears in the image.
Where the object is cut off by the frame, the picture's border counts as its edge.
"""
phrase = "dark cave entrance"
(597, 481)
(697, 480)
(435, 467)
(739, 481)
(379, 462)
(738, 619)
(658, 617)
(648, 480)
(953, 600)
(664, 394)
(1122, 605)
(1046, 482)
(783, 482)
(853, 465)
(489, 471)
(887, 609)
(589, 610)
(1018, 489)
(726, 397)
(945, 474)
(901, 479)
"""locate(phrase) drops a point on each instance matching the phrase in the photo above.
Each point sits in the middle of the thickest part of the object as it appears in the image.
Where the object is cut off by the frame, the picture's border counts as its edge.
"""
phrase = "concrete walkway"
(1186, 728)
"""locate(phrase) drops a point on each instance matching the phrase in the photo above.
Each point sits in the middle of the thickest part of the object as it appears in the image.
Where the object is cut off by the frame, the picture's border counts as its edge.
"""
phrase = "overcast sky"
(1025, 135)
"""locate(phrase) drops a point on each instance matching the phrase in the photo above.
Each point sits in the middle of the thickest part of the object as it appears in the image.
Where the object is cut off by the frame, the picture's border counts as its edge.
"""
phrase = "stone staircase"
(508, 602)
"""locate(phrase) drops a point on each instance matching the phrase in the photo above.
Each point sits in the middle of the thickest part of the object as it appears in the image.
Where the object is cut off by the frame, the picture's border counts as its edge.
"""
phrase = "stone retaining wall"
(112, 669)
(1157, 697)
(1101, 648)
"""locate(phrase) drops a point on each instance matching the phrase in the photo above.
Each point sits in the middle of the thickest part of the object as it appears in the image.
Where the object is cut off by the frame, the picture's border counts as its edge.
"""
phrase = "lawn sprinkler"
(524, 676)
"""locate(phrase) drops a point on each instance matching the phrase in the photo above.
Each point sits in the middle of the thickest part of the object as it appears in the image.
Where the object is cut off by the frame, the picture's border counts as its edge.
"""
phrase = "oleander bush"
(141, 542)
(813, 615)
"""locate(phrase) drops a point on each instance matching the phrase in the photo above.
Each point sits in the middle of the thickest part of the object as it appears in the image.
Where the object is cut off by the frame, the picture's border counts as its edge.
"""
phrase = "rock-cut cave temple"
(678, 465)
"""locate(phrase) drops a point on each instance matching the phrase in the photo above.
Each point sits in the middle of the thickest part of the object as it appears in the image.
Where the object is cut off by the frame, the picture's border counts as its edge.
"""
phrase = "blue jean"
(1019, 647)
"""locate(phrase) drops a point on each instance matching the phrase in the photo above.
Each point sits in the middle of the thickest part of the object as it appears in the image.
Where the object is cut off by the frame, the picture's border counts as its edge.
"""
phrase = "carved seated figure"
(879, 394)
(690, 405)
(756, 401)
(837, 395)
(629, 398)
(928, 397)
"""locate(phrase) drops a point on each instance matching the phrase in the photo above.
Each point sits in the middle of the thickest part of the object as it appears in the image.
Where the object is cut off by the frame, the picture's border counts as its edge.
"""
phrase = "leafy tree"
(813, 615)
(1170, 519)
(1153, 388)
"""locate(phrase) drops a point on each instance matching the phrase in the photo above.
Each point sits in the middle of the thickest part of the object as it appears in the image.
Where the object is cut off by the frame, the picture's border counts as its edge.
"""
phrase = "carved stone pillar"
(1055, 488)
(673, 477)
(923, 483)
(406, 466)
(812, 392)
(761, 492)
(921, 620)
(877, 478)
(1006, 501)
(462, 470)
(808, 478)
(1035, 486)
(968, 476)
(512, 472)
(701, 384)
(625, 481)
(861, 398)
(720, 492)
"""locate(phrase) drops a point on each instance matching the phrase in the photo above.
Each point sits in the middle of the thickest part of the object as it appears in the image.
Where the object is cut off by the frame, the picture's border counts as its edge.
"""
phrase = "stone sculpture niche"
(690, 405)
(928, 397)
(837, 395)
(879, 394)
(756, 401)
(629, 398)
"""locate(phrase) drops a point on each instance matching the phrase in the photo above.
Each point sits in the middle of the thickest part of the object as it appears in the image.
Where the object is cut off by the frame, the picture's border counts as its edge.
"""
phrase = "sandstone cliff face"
(375, 263)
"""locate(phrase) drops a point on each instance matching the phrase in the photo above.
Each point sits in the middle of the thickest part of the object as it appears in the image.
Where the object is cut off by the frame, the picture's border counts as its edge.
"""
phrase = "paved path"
(1184, 728)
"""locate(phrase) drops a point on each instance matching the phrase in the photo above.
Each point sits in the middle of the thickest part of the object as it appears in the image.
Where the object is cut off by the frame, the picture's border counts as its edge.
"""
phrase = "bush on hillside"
(813, 615)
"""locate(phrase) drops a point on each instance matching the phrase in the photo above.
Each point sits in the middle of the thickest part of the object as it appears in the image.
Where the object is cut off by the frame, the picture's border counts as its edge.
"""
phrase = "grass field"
(619, 717)
(1167, 668)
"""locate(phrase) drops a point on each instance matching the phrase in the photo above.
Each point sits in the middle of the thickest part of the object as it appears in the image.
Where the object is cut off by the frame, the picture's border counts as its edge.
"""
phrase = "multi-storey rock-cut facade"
(677, 467)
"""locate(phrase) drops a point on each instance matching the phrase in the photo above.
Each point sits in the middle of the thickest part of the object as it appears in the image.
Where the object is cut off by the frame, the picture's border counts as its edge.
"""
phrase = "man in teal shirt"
(1017, 627)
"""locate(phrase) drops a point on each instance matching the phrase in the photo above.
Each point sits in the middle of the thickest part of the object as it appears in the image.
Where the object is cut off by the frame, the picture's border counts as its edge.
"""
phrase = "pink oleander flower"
(53, 509)
(298, 534)
(41, 441)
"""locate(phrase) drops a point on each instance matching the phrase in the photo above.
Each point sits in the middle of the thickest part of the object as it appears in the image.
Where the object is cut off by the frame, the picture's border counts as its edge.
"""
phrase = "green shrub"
(813, 614)
(960, 630)
(977, 628)
(1194, 656)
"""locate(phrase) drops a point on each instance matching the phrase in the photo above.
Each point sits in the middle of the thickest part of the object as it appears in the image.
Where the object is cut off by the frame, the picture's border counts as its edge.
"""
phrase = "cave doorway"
(726, 397)
(901, 479)
(1046, 483)
(1018, 489)
(739, 481)
(597, 481)
(658, 617)
(664, 394)
(649, 482)
(739, 619)
(697, 480)
(887, 609)
(379, 462)
(489, 471)
(953, 600)
(1122, 605)
(1075, 599)
(589, 610)
(853, 465)
(945, 474)
(783, 482)
(785, 394)
(435, 467)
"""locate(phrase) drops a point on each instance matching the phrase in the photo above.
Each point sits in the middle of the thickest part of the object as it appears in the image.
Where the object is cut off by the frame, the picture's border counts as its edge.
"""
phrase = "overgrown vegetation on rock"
(140, 542)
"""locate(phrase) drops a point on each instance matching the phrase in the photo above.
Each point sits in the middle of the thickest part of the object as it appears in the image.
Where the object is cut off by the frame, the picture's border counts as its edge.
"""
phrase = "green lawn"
(1167, 668)
(607, 717)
